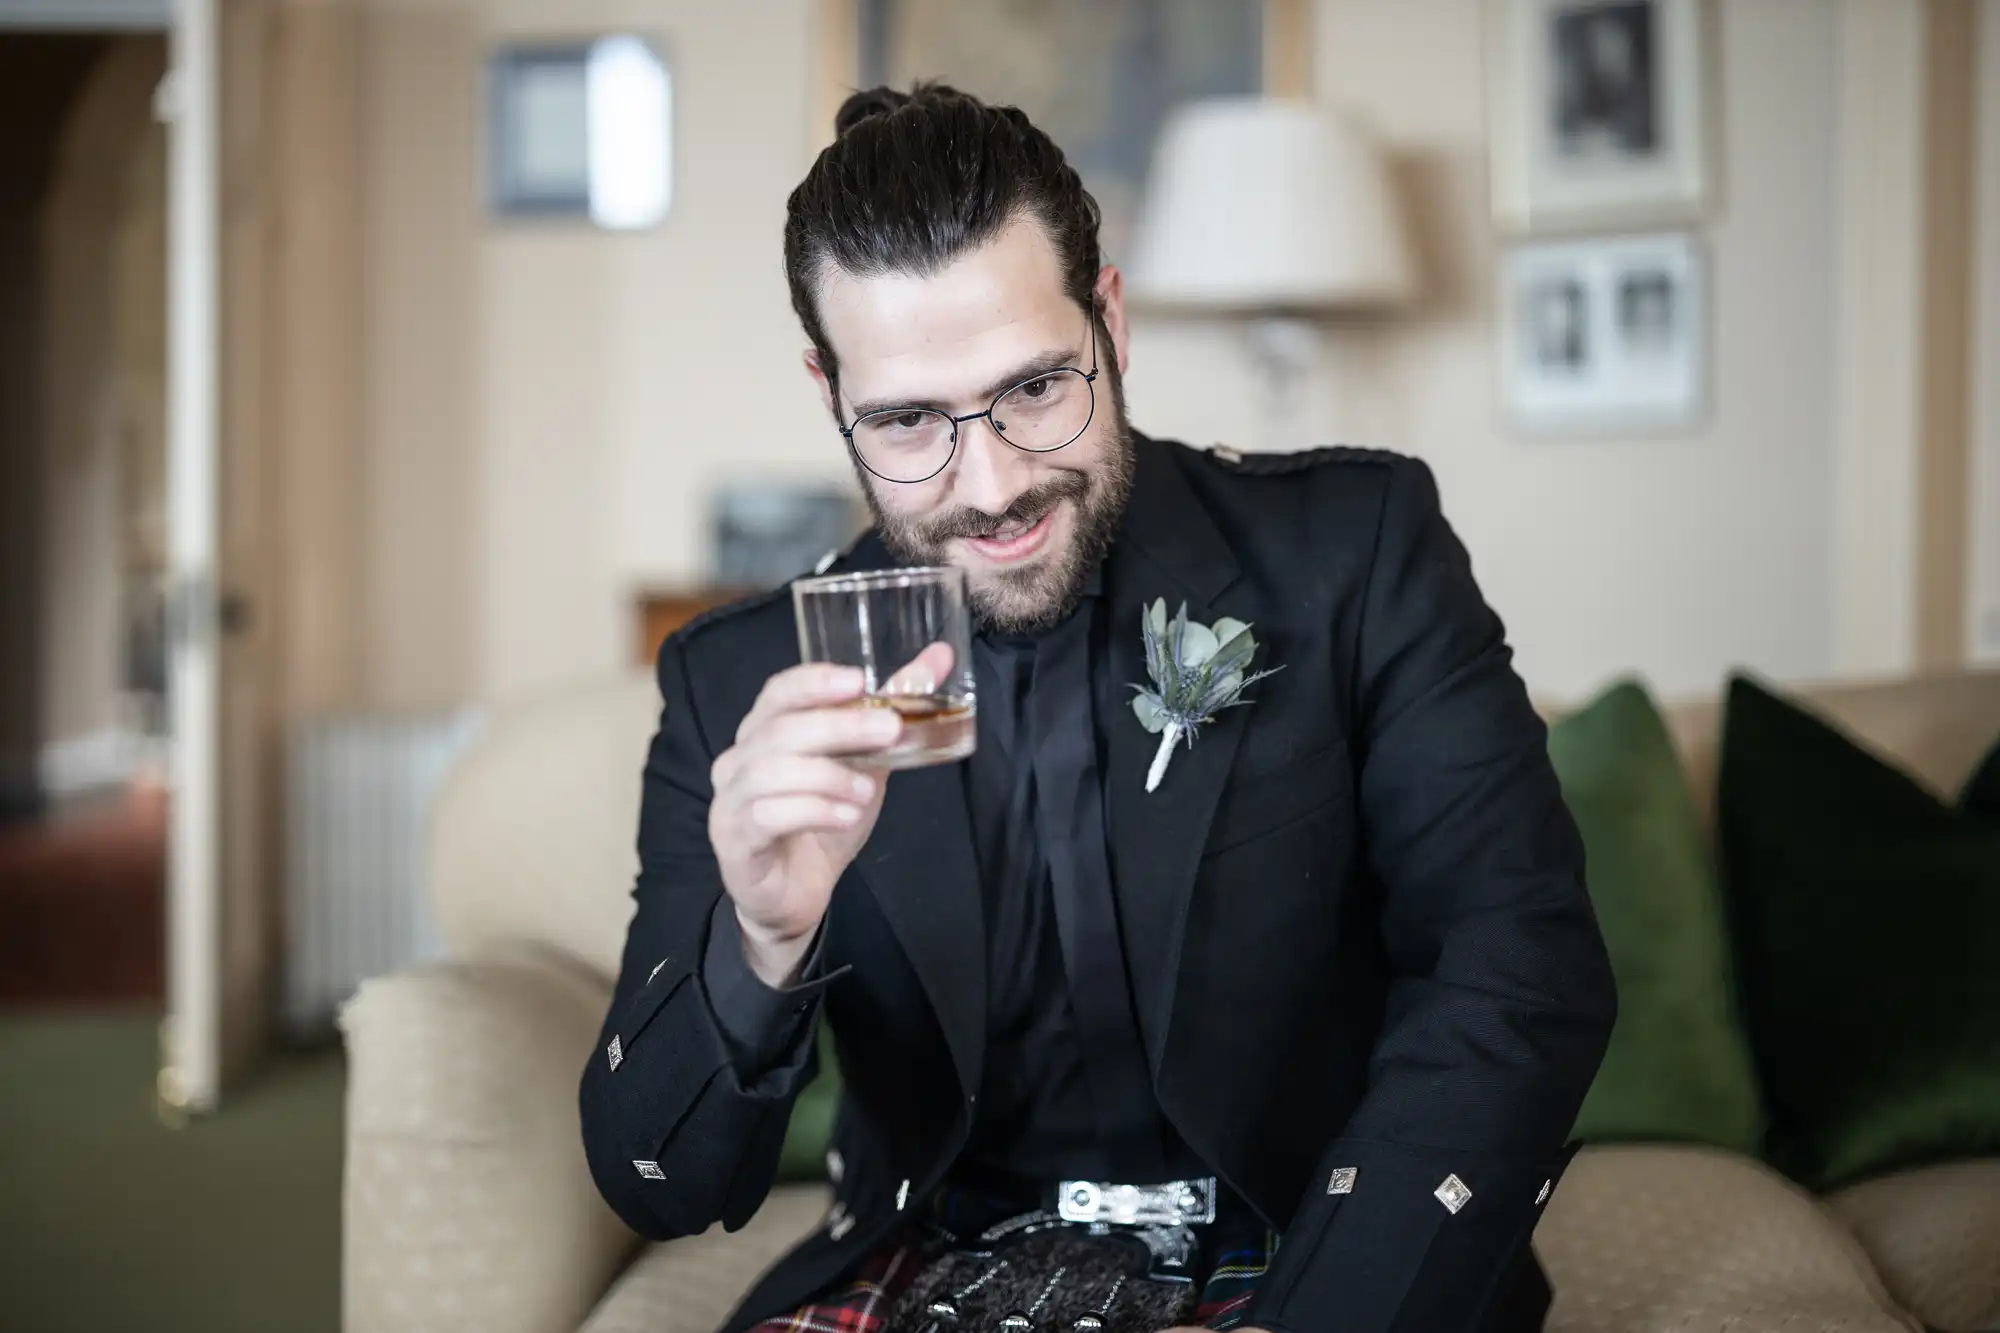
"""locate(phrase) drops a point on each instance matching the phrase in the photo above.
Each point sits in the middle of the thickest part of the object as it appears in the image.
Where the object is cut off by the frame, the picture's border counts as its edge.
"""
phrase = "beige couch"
(468, 1206)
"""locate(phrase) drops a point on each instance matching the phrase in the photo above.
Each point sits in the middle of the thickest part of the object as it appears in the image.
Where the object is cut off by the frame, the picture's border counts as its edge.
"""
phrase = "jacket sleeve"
(678, 1133)
(1502, 1000)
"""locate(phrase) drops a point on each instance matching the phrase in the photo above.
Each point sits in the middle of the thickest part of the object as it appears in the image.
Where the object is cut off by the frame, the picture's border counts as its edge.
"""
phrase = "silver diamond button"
(656, 971)
(615, 1052)
(649, 1170)
(1343, 1180)
(1543, 1197)
(1453, 1194)
(836, 1165)
(902, 1195)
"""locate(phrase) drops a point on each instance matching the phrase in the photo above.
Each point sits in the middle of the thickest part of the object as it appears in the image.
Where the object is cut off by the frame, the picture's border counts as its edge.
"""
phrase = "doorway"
(83, 541)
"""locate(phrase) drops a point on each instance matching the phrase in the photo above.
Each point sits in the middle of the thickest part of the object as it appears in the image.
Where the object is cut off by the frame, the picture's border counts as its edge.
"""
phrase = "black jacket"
(1354, 912)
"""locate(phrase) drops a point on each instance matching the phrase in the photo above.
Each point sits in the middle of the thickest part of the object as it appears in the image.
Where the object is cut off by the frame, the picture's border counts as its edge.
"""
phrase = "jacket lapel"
(922, 869)
(1168, 547)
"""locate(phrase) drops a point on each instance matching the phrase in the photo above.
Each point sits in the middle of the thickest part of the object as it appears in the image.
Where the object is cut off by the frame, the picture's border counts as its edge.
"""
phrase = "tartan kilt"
(864, 1303)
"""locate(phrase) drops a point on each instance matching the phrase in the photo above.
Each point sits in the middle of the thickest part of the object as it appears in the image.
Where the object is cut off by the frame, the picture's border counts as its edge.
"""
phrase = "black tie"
(1069, 806)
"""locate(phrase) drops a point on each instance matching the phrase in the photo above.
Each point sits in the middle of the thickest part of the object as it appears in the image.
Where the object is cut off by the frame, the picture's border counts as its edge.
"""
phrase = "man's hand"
(791, 810)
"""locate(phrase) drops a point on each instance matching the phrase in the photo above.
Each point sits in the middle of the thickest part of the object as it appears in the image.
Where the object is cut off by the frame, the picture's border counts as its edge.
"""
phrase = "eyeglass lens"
(912, 444)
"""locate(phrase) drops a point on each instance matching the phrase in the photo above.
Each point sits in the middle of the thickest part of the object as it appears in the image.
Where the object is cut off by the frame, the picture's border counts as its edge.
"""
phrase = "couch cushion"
(1864, 912)
(1678, 1067)
(534, 837)
(1656, 1239)
(1934, 1234)
(691, 1285)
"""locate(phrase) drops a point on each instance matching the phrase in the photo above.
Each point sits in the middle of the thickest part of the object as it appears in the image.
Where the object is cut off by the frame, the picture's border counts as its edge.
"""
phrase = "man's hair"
(914, 180)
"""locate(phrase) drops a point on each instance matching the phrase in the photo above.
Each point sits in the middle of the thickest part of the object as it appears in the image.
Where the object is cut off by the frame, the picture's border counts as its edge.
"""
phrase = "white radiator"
(358, 796)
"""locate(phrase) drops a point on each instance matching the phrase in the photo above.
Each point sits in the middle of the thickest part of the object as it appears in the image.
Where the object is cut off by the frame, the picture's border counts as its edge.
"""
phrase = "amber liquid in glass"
(937, 729)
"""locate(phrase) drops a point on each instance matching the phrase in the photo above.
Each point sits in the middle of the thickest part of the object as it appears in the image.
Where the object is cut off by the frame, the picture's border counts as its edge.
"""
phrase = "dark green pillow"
(1866, 915)
(1679, 1065)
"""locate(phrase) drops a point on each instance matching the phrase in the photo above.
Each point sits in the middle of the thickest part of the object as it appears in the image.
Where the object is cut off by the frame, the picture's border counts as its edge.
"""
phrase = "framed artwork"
(1598, 112)
(580, 130)
(1605, 335)
(1099, 77)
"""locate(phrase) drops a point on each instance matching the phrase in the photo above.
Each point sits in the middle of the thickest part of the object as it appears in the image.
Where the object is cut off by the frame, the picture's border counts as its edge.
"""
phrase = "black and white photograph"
(1558, 321)
(1604, 100)
(1597, 112)
(1604, 335)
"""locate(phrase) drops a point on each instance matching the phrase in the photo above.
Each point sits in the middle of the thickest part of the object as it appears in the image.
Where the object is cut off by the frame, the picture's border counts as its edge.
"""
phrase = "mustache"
(1028, 508)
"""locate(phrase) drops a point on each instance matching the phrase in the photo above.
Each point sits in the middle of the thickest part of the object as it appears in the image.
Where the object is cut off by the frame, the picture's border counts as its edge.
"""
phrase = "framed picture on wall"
(1100, 78)
(1598, 112)
(1605, 336)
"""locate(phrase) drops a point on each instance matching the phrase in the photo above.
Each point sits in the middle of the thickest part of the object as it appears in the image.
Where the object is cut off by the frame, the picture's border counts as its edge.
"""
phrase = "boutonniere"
(1197, 672)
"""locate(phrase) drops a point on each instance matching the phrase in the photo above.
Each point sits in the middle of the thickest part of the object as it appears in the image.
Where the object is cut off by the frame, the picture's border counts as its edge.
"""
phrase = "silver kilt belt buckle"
(1162, 1217)
(1172, 1203)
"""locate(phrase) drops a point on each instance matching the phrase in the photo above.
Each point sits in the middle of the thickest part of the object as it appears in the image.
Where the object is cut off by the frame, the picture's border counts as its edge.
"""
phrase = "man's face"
(1025, 527)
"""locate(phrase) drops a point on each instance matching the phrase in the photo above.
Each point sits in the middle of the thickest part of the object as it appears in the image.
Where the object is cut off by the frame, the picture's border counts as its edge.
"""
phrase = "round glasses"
(1039, 415)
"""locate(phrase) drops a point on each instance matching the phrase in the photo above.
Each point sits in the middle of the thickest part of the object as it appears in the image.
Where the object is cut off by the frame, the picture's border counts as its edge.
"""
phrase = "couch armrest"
(467, 1201)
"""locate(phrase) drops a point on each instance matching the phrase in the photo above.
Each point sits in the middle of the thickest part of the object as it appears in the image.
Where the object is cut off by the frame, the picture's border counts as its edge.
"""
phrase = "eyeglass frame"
(1089, 384)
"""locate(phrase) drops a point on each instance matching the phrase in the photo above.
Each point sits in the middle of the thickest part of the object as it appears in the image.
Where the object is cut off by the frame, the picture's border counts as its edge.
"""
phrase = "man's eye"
(1037, 388)
(908, 420)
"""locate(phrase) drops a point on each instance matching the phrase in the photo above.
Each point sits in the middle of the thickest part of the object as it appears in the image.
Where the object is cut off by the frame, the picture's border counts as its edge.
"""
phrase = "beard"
(1043, 592)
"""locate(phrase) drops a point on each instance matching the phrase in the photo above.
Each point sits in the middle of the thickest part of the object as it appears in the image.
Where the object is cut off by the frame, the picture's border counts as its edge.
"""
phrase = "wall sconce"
(1276, 210)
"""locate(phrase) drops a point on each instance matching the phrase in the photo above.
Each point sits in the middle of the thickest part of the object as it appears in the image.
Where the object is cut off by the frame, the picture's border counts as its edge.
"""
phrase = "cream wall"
(547, 407)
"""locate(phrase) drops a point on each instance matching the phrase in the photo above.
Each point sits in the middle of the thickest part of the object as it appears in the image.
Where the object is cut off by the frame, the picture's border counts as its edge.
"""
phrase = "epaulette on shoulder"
(729, 610)
(1272, 465)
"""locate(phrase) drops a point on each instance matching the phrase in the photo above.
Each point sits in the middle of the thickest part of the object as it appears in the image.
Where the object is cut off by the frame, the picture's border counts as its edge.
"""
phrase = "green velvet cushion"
(803, 1158)
(1679, 1066)
(1866, 915)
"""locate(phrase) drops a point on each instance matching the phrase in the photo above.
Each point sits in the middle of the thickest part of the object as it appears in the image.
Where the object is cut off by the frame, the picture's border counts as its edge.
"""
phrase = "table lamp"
(1276, 210)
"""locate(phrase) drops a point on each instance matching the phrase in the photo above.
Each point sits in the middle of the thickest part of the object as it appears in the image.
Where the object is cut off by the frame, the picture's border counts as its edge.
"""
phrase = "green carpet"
(112, 1223)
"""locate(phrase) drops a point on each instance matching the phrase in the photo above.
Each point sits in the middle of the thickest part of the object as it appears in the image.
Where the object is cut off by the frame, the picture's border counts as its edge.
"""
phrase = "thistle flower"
(1197, 672)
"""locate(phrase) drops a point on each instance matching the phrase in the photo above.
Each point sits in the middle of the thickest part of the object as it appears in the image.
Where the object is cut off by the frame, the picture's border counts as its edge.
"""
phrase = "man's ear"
(1110, 292)
(819, 377)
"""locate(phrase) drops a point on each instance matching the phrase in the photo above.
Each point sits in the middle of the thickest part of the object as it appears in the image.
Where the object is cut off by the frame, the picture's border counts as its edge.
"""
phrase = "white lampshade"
(1262, 205)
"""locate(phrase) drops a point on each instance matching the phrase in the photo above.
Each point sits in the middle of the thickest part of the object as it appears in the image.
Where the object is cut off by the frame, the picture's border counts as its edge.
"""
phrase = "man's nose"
(991, 473)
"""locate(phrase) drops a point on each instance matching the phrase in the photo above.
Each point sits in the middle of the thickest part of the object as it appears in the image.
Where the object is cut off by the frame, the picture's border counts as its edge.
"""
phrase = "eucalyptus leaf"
(1151, 713)
(1198, 644)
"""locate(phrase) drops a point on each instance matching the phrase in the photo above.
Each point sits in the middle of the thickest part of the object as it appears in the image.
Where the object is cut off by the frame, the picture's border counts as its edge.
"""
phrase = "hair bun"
(866, 105)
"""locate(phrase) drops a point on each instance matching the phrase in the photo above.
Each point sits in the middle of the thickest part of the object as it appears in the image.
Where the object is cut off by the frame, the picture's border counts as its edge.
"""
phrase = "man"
(1319, 1010)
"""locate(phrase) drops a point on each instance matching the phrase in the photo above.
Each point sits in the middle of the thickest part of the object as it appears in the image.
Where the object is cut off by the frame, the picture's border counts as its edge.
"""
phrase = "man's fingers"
(812, 685)
(802, 775)
(822, 731)
(778, 816)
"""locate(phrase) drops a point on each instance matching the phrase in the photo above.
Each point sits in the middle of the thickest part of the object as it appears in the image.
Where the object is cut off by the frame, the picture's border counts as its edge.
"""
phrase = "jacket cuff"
(764, 1028)
(1388, 1228)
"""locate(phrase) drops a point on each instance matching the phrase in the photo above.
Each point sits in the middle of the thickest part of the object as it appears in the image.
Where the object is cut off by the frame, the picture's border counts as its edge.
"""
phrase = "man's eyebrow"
(1027, 370)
